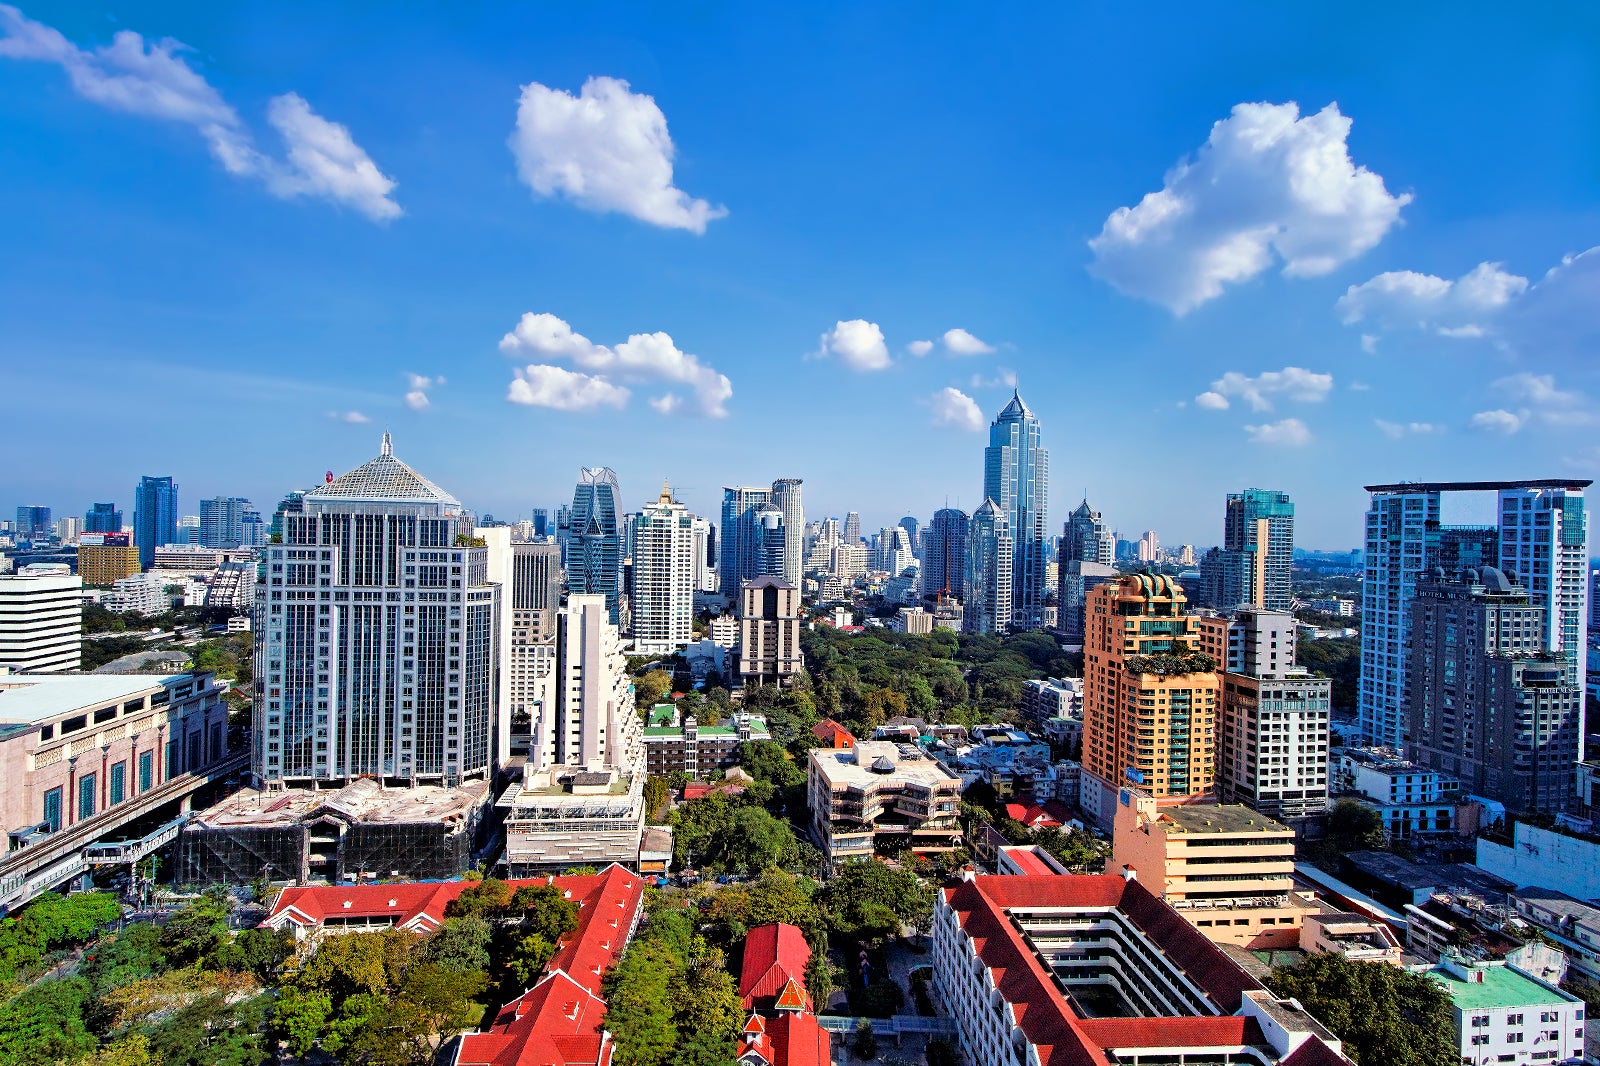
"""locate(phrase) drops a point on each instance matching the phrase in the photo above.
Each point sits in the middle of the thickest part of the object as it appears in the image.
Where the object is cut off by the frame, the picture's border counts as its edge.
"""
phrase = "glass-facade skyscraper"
(103, 518)
(786, 498)
(1016, 477)
(155, 517)
(594, 544)
(988, 580)
(222, 521)
(944, 553)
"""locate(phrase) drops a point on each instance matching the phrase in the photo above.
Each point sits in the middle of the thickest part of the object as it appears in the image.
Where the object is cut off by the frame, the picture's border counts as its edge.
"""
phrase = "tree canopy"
(1385, 1015)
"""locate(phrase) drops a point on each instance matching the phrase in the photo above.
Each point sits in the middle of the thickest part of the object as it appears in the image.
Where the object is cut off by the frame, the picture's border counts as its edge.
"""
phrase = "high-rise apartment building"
(109, 562)
(155, 517)
(1074, 581)
(912, 528)
(1085, 537)
(594, 546)
(1016, 469)
(222, 521)
(663, 577)
(740, 550)
(103, 518)
(895, 553)
(1272, 743)
(1401, 540)
(377, 642)
(987, 583)
(41, 619)
(786, 497)
(529, 575)
(1260, 523)
(705, 555)
(944, 554)
(33, 521)
(1466, 548)
(1490, 703)
(1149, 547)
(852, 528)
(1544, 547)
(1150, 695)
(769, 631)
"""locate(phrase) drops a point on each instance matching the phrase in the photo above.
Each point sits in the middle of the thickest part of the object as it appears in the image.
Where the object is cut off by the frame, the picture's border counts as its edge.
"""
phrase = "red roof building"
(833, 735)
(782, 1029)
(1032, 815)
(1169, 991)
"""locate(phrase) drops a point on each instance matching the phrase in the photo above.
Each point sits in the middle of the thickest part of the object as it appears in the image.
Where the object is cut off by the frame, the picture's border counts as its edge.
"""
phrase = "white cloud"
(1288, 433)
(565, 390)
(1405, 299)
(666, 404)
(960, 342)
(417, 394)
(1537, 389)
(606, 149)
(858, 344)
(150, 79)
(919, 348)
(353, 417)
(1360, 386)
(644, 358)
(1292, 382)
(1005, 379)
(1397, 430)
(1369, 343)
(954, 409)
(1498, 421)
(1267, 185)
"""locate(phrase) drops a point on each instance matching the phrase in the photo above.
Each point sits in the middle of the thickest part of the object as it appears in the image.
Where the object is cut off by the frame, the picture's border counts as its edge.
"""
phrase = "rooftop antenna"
(388, 445)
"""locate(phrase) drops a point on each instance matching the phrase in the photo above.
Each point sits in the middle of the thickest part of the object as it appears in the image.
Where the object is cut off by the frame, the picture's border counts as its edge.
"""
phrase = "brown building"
(674, 745)
(106, 564)
(769, 631)
(1150, 694)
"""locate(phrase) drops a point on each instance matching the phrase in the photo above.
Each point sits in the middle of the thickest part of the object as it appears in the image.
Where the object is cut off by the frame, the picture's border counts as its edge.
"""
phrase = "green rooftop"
(1501, 987)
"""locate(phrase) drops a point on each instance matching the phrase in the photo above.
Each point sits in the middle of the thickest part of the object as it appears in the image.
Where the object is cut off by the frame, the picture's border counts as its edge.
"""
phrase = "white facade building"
(663, 577)
(1504, 1015)
(41, 619)
(142, 593)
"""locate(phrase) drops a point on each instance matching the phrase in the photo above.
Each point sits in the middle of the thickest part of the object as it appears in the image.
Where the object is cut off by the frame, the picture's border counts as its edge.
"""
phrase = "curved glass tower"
(1016, 474)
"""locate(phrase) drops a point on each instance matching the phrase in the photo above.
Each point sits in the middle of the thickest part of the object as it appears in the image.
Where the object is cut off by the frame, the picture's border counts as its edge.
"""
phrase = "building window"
(119, 783)
(86, 796)
(52, 809)
(146, 771)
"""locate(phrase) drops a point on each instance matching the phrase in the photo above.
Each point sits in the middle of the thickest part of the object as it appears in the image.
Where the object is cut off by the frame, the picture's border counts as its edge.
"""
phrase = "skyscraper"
(378, 638)
(33, 521)
(1016, 470)
(663, 577)
(741, 544)
(594, 546)
(852, 528)
(786, 497)
(912, 528)
(944, 553)
(222, 521)
(541, 522)
(155, 517)
(1252, 566)
(1544, 547)
(988, 582)
(103, 518)
(895, 554)
(1402, 538)
(770, 540)
(705, 555)
(1084, 537)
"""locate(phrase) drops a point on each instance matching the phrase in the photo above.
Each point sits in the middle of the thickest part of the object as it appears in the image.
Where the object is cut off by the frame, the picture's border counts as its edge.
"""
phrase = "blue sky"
(217, 256)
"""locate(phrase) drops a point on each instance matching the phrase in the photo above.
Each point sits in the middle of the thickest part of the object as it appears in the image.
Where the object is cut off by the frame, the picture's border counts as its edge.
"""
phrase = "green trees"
(1384, 1015)
(50, 923)
(870, 901)
(44, 1024)
(671, 999)
(651, 689)
(731, 836)
(1353, 826)
(1338, 658)
(864, 1044)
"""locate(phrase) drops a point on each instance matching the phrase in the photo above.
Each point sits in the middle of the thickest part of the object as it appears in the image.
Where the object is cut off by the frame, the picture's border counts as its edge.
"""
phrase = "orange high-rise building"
(1150, 693)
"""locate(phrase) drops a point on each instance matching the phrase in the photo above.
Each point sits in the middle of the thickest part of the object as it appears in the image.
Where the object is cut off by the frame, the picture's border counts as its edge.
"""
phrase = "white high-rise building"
(1402, 536)
(1544, 545)
(663, 577)
(895, 553)
(705, 571)
(41, 619)
(144, 593)
(786, 497)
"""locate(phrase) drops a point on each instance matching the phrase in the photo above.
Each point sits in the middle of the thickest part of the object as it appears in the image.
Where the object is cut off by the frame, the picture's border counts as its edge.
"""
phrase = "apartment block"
(879, 794)
(41, 619)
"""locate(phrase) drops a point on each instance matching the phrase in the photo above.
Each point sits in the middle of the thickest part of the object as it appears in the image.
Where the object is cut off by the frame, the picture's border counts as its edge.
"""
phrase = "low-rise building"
(1226, 868)
(565, 816)
(1505, 1015)
(912, 620)
(879, 794)
(1573, 924)
(1537, 856)
(1355, 936)
(781, 1027)
(680, 744)
(141, 593)
(831, 734)
(1412, 800)
(1052, 697)
(41, 619)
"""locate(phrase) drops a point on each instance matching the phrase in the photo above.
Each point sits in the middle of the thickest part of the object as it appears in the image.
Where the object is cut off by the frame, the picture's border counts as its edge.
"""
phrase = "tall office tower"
(1544, 547)
(188, 530)
(252, 530)
(663, 577)
(769, 540)
(786, 497)
(294, 503)
(740, 555)
(541, 522)
(1272, 742)
(564, 532)
(535, 588)
(1016, 472)
(987, 582)
(769, 631)
(1252, 566)
(852, 528)
(1149, 547)
(103, 518)
(1466, 548)
(377, 637)
(222, 521)
(529, 576)
(41, 619)
(895, 554)
(1149, 704)
(944, 554)
(155, 517)
(912, 528)
(1402, 539)
(594, 546)
(1488, 702)
(1075, 579)
(33, 521)
(1084, 537)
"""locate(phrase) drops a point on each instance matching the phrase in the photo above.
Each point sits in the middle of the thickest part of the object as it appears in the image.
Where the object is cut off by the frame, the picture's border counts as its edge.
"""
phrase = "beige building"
(1354, 936)
(1226, 869)
(881, 794)
(769, 631)
(106, 564)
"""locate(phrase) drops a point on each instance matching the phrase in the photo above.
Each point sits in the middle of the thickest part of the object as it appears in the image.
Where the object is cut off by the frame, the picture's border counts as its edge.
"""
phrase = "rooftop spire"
(388, 445)
(666, 492)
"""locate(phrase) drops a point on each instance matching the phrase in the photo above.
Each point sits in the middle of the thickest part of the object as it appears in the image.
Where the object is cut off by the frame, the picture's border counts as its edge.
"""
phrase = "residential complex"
(662, 605)
(1251, 568)
(769, 632)
(1016, 478)
(41, 619)
(878, 794)
(108, 562)
(675, 743)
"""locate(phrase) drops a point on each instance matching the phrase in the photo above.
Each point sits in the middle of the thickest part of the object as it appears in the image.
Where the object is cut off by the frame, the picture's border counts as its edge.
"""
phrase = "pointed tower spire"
(388, 445)
(666, 492)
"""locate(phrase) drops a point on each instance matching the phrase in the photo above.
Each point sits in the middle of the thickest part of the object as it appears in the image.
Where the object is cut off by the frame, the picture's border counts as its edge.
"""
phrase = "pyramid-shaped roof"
(384, 478)
(793, 996)
(1084, 510)
(1016, 408)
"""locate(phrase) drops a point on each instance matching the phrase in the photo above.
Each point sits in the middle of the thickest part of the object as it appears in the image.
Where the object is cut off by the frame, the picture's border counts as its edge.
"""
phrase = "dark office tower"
(541, 522)
(771, 540)
(103, 518)
(1016, 477)
(155, 517)
(1084, 537)
(222, 521)
(1466, 548)
(944, 554)
(740, 556)
(594, 547)
(33, 521)
(564, 532)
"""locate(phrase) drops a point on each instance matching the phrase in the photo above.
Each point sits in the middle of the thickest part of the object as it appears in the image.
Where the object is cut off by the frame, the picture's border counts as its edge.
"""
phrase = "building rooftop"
(870, 762)
(383, 478)
(1220, 818)
(1559, 903)
(1480, 486)
(1501, 986)
(28, 699)
(363, 801)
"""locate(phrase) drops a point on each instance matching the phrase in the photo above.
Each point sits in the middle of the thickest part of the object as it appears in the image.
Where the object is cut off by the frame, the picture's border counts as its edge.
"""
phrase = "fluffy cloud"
(1288, 433)
(857, 343)
(1498, 421)
(644, 358)
(564, 390)
(150, 79)
(1005, 379)
(1405, 299)
(353, 417)
(1292, 382)
(417, 393)
(919, 348)
(954, 409)
(1267, 185)
(606, 149)
(1397, 430)
(960, 342)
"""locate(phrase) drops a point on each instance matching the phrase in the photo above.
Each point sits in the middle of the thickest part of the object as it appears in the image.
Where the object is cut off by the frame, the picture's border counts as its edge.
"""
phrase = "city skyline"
(455, 288)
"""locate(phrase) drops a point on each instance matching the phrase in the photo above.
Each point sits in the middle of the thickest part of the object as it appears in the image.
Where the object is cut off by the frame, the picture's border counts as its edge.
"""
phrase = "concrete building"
(41, 619)
(106, 564)
(1016, 478)
(769, 632)
(1355, 936)
(1085, 538)
(680, 744)
(663, 577)
(1572, 924)
(786, 498)
(1075, 580)
(1252, 566)
(1504, 1015)
(1402, 535)
(1052, 697)
(1544, 857)
(989, 583)
(144, 593)
(1149, 549)
(912, 620)
(1051, 970)
(1544, 547)
(881, 794)
(222, 521)
(1150, 695)
(1411, 800)
(1226, 868)
(33, 522)
(1490, 702)
(232, 588)
(83, 756)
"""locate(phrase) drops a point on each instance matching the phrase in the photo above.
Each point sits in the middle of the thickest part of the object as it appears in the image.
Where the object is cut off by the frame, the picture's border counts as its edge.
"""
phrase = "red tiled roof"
(833, 734)
(1315, 1053)
(1031, 815)
(773, 975)
(773, 955)
(1028, 860)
